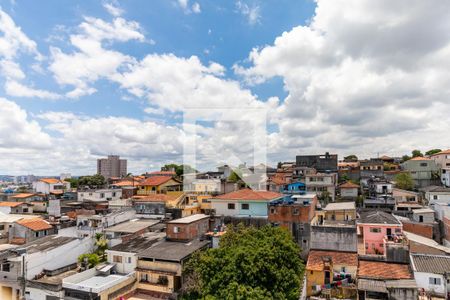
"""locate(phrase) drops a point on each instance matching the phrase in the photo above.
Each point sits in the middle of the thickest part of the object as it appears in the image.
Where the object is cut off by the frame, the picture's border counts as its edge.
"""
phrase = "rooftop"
(9, 218)
(50, 180)
(420, 158)
(47, 243)
(383, 270)
(138, 244)
(132, 226)
(189, 219)
(340, 206)
(248, 194)
(426, 241)
(172, 251)
(35, 224)
(436, 264)
(316, 259)
(11, 204)
(155, 180)
(423, 211)
(156, 198)
(349, 185)
(378, 217)
(22, 196)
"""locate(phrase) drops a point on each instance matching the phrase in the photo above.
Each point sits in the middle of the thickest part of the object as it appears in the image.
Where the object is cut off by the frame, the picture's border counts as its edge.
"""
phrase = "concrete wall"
(128, 264)
(256, 208)
(422, 280)
(334, 238)
(189, 231)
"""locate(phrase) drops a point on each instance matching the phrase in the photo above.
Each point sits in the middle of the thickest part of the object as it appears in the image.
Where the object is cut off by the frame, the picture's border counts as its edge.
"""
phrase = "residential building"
(37, 256)
(295, 215)
(331, 269)
(423, 170)
(112, 166)
(446, 231)
(349, 191)
(16, 207)
(337, 213)
(160, 267)
(432, 274)
(423, 245)
(322, 163)
(442, 158)
(26, 197)
(243, 203)
(376, 228)
(441, 209)
(379, 194)
(371, 168)
(7, 221)
(158, 184)
(383, 280)
(423, 215)
(128, 230)
(152, 206)
(401, 196)
(349, 170)
(51, 186)
(101, 282)
(88, 224)
(102, 195)
(322, 184)
(445, 176)
(27, 230)
(293, 188)
(437, 194)
(188, 228)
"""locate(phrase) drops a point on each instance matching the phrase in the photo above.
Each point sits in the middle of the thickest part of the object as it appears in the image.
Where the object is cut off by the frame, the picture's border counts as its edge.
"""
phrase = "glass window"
(230, 205)
(245, 206)
(117, 258)
(375, 229)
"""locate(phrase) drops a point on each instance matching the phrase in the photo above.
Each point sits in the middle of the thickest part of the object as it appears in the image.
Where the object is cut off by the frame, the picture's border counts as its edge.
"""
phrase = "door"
(327, 277)
(389, 232)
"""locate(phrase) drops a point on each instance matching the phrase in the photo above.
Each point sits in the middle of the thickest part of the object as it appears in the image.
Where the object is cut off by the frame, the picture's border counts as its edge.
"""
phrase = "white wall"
(422, 280)
(100, 195)
(124, 267)
(40, 294)
(441, 197)
(221, 208)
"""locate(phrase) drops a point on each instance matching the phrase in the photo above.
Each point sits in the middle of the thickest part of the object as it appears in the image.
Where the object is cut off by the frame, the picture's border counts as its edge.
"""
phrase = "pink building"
(377, 228)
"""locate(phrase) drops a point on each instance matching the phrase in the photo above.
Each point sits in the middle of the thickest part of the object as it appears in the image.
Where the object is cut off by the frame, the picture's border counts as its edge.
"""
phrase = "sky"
(223, 81)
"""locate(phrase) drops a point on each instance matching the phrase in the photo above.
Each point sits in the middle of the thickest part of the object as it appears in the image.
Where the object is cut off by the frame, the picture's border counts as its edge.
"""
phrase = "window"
(245, 206)
(163, 280)
(343, 269)
(144, 277)
(176, 229)
(117, 258)
(398, 230)
(129, 260)
(423, 164)
(114, 194)
(295, 211)
(25, 210)
(5, 267)
(435, 281)
(2, 227)
(435, 197)
(102, 195)
(375, 229)
(272, 210)
(230, 205)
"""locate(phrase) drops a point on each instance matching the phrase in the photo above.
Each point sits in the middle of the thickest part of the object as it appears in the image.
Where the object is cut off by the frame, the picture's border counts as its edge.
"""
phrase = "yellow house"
(327, 270)
(158, 184)
(337, 211)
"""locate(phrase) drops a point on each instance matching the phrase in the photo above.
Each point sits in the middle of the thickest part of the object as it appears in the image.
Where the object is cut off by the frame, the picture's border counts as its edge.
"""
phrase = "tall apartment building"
(322, 163)
(112, 166)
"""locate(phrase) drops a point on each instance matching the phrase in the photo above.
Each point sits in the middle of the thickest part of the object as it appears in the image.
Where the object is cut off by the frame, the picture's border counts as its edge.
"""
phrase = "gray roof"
(378, 217)
(372, 285)
(435, 264)
(189, 219)
(132, 226)
(172, 251)
(47, 243)
(137, 244)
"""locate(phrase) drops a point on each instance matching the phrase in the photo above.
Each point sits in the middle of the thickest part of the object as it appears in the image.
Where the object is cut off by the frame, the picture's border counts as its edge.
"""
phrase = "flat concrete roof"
(100, 281)
(132, 226)
(172, 251)
(340, 206)
(189, 219)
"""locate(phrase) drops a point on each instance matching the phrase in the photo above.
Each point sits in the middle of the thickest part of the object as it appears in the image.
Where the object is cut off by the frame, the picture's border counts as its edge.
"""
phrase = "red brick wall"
(446, 221)
(187, 231)
(425, 230)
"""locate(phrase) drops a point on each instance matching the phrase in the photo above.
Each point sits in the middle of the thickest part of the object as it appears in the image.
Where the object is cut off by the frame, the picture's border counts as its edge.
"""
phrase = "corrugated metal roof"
(372, 285)
(435, 264)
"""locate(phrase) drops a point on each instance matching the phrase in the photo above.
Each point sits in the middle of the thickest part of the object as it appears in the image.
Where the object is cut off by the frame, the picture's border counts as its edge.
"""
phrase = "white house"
(445, 176)
(441, 209)
(38, 256)
(50, 186)
(89, 225)
(430, 272)
(437, 194)
(100, 195)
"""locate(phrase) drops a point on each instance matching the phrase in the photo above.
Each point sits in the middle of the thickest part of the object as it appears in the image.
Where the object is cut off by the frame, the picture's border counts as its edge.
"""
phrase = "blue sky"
(83, 79)
(220, 33)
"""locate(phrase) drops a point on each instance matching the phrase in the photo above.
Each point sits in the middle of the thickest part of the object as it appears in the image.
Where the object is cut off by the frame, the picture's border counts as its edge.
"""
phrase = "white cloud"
(92, 60)
(196, 8)
(11, 69)
(16, 89)
(364, 76)
(113, 9)
(251, 12)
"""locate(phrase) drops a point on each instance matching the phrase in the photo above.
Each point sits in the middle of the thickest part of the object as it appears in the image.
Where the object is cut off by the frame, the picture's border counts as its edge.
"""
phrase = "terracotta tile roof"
(23, 195)
(383, 270)
(420, 158)
(349, 185)
(17, 241)
(127, 183)
(11, 204)
(248, 194)
(155, 180)
(316, 259)
(50, 180)
(35, 224)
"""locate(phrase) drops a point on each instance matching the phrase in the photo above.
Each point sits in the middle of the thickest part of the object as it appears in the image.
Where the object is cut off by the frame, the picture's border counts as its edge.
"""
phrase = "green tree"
(416, 153)
(405, 158)
(91, 258)
(93, 181)
(179, 169)
(73, 182)
(404, 181)
(234, 177)
(433, 151)
(250, 263)
(102, 245)
(22, 189)
(351, 157)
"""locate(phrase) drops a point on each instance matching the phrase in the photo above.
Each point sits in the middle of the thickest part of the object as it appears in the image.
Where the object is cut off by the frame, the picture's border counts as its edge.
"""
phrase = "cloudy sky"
(146, 79)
